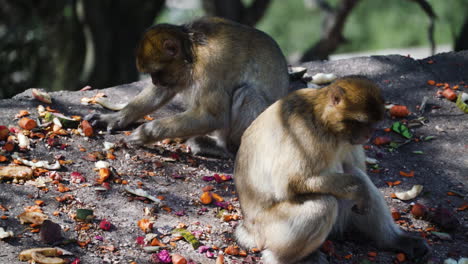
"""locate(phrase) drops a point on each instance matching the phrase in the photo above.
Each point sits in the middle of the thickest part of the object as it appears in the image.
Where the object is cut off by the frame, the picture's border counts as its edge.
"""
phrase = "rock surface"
(169, 170)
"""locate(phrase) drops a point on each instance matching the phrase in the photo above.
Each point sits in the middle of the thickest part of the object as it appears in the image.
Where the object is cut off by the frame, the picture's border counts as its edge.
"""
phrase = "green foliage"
(292, 25)
(372, 25)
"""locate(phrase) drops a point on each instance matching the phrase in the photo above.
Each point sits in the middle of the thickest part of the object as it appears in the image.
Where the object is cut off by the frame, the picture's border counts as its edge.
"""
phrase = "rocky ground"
(437, 154)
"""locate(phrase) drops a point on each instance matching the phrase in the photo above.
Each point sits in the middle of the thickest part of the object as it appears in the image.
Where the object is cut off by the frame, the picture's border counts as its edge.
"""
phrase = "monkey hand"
(142, 135)
(112, 121)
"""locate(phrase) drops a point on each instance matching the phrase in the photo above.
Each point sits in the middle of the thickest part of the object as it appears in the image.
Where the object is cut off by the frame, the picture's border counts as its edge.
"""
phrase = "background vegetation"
(66, 44)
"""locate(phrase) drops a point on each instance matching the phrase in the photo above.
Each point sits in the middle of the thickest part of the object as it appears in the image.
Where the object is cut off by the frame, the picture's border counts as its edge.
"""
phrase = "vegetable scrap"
(399, 111)
(5, 234)
(143, 193)
(41, 95)
(462, 102)
(410, 194)
(449, 94)
(34, 216)
(378, 141)
(38, 164)
(407, 174)
(84, 214)
(401, 129)
(189, 237)
(15, 172)
(323, 78)
(49, 252)
(145, 224)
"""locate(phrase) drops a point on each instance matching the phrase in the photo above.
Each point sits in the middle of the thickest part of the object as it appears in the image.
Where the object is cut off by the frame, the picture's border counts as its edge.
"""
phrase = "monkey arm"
(199, 120)
(148, 100)
(341, 185)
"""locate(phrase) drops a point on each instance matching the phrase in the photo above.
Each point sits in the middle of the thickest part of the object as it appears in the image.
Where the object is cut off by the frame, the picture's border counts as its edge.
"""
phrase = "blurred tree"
(332, 29)
(461, 42)
(236, 10)
(70, 43)
(334, 22)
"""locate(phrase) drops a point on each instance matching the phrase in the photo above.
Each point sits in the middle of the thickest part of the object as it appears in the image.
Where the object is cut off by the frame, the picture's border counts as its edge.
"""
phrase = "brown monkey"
(226, 72)
(301, 167)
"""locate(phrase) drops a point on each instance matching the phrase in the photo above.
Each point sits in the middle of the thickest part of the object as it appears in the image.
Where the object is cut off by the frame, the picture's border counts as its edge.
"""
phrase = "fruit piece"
(220, 259)
(105, 225)
(418, 210)
(232, 250)
(16, 172)
(87, 128)
(449, 94)
(217, 197)
(9, 146)
(382, 140)
(145, 224)
(4, 131)
(401, 257)
(104, 174)
(396, 214)
(410, 194)
(399, 111)
(36, 218)
(27, 123)
(26, 254)
(178, 259)
(41, 96)
(407, 174)
(206, 198)
(42, 259)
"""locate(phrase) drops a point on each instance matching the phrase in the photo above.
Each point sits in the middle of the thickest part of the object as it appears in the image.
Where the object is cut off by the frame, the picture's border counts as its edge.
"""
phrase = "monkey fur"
(227, 74)
(300, 171)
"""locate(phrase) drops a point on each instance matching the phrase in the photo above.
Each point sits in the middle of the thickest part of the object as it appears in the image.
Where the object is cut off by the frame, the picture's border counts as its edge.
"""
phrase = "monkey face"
(359, 107)
(359, 132)
(164, 54)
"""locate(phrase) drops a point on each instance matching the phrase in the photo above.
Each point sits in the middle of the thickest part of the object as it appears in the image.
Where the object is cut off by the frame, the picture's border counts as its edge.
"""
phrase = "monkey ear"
(336, 94)
(171, 47)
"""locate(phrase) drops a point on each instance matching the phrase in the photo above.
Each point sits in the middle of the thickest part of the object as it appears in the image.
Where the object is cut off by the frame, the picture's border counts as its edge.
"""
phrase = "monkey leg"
(247, 103)
(213, 145)
(292, 231)
(379, 226)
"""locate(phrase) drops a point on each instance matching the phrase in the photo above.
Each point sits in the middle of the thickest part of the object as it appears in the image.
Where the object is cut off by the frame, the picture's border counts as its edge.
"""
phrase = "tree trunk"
(461, 43)
(332, 30)
(116, 27)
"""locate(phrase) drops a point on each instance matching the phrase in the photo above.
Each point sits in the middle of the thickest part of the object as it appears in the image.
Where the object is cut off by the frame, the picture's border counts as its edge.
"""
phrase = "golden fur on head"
(348, 104)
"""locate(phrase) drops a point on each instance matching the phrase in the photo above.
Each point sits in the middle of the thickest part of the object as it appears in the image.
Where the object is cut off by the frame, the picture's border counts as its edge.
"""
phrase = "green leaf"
(418, 152)
(401, 129)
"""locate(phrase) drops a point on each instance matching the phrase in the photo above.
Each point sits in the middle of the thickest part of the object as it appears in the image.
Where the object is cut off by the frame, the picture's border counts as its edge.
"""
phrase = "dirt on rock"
(437, 153)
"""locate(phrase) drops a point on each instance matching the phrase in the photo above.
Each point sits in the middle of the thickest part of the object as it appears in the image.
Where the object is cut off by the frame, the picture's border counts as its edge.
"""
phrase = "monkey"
(226, 73)
(300, 174)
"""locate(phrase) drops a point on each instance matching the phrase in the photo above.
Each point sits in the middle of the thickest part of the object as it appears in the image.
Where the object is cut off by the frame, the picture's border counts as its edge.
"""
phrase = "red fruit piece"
(105, 225)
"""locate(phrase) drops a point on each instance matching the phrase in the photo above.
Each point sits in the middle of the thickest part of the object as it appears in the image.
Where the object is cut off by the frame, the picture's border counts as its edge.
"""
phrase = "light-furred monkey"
(228, 74)
(300, 173)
